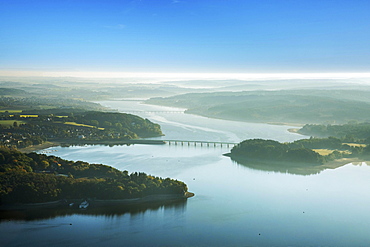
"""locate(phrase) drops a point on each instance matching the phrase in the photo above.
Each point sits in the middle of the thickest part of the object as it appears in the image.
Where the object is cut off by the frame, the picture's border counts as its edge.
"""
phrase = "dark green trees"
(269, 150)
(39, 178)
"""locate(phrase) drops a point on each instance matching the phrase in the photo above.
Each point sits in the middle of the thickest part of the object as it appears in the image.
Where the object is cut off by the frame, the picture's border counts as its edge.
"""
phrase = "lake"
(234, 205)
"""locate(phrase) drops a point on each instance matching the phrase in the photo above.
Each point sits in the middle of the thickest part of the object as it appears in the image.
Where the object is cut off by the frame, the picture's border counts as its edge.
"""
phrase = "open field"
(11, 111)
(328, 151)
(26, 116)
(83, 125)
(323, 151)
(10, 122)
(355, 144)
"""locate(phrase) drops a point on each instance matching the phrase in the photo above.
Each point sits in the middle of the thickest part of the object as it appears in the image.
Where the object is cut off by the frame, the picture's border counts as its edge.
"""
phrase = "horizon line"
(184, 75)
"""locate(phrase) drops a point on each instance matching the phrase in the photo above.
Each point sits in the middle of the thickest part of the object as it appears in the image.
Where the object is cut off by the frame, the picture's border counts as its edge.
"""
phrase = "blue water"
(234, 205)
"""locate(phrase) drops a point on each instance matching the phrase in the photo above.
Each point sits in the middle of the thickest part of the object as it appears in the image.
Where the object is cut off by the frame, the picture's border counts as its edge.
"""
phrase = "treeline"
(270, 150)
(12, 91)
(298, 152)
(31, 178)
(318, 143)
(119, 122)
(46, 102)
(90, 126)
(350, 132)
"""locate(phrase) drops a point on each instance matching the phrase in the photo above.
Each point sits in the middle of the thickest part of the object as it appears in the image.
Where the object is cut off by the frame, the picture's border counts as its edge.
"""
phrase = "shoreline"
(294, 130)
(205, 114)
(241, 120)
(329, 165)
(158, 198)
(34, 148)
(293, 168)
(49, 144)
(344, 161)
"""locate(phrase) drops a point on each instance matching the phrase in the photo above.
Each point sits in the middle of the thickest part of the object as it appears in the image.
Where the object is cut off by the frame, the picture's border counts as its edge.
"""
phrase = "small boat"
(84, 204)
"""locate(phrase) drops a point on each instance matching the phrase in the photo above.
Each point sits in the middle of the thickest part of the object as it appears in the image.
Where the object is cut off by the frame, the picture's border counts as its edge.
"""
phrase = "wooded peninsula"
(37, 178)
(312, 154)
(20, 130)
(304, 151)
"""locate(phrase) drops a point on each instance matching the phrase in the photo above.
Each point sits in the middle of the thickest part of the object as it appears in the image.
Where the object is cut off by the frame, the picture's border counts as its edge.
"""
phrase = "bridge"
(155, 142)
(199, 143)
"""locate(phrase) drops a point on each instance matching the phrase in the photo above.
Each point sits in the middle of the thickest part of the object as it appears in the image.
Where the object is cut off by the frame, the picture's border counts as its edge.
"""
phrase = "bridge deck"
(199, 143)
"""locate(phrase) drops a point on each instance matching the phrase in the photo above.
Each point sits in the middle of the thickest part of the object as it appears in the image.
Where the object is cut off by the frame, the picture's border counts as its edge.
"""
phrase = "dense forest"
(351, 132)
(285, 106)
(297, 152)
(31, 178)
(269, 150)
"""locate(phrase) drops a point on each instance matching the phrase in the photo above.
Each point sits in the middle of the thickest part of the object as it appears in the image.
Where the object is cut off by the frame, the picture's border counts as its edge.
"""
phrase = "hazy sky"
(233, 36)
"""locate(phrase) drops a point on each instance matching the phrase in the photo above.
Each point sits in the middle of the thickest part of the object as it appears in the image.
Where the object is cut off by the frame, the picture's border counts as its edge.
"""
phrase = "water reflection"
(179, 206)
(287, 167)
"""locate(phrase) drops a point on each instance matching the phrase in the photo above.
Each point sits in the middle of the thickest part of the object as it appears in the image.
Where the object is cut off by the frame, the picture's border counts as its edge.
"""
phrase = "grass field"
(323, 151)
(83, 125)
(25, 116)
(11, 111)
(29, 115)
(10, 122)
(355, 144)
(328, 151)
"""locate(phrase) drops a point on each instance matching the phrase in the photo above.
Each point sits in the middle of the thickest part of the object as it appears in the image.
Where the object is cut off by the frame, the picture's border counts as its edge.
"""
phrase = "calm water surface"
(234, 205)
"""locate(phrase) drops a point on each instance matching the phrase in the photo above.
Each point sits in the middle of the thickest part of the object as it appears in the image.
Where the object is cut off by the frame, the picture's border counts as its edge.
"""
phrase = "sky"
(185, 36)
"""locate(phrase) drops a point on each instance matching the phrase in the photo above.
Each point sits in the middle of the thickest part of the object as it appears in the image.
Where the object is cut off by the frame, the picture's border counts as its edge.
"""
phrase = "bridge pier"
(200, 143)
